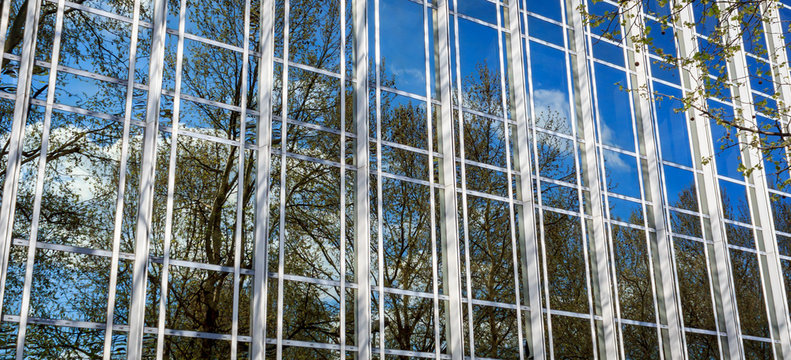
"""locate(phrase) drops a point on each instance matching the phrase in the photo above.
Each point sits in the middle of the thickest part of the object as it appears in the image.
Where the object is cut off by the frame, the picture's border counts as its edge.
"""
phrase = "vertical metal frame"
(670, 306)
(342, 185)
(362, 182)
(509, 173)
(567, 54)
(281, 268)
(708, 189)
(239, 231)
(527, 264)
(776, 47)
(21, 104)
(39, 188)
(608, 344)
(258, 307)
(119, 202)
(379, 206)
(771, 269)
(172, 163)
(463, 168)
(147, 170)
(447, 179)
(528, 235)
(431, 180)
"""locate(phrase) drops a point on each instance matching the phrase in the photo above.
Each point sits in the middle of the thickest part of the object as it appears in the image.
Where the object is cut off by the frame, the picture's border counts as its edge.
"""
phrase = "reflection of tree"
(86, 150)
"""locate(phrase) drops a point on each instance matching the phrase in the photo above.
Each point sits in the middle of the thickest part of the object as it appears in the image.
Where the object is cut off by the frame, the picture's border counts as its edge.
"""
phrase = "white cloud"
(552, 100)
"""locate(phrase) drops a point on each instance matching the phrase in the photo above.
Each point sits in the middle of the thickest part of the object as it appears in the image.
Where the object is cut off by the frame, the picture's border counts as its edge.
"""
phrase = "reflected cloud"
(550, 104)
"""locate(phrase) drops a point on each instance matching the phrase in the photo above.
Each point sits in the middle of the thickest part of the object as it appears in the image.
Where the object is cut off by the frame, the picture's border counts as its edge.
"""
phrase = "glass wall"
(304, 179)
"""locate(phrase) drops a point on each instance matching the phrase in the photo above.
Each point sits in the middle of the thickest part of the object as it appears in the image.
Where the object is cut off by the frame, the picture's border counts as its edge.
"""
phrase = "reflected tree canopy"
(208, 145)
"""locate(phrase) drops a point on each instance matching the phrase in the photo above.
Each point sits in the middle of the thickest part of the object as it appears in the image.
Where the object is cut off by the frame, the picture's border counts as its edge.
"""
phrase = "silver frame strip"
(528, 235)
(21, 104)
(447, 179)
(670, 305)
(362, 181)
(598, 243)
(39, 187)
(708, 193)
(147, 172)
(174, 143)
(771, 270)
(240, 187)
(119, 204)
(281, 268)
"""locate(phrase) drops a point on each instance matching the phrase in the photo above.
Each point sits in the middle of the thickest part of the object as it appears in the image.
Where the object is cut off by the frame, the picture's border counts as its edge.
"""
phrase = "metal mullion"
(362, 181)
(283, 162)
(771, 270)
(463, 190)
(777, 51)
(379, 207)
(599, 241)
(541, 238)
(447, 178)
(122, 170)
(163, 297)
(670, 299)
(342, 185)
(39, 187)
(147, 173)
(240, 187)
(432, 204)
(605, 194)
(570, 77)
(5, 15)
(570, 71)
(515, 51)
(708, 193)
(21, 104)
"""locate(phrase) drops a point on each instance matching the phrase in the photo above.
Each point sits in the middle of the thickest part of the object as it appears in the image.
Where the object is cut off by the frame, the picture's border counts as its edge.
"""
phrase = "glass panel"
(550, 88)
(204, 198)
(81, 181)
(671, 125)
(635, 291)
(491, 252)
(409, 323)
(640, 342)
(556, 158)
(734, 201)
(69, 286)
(312, 226)
(615, 117)
(479, 68)
(622, 174)
(702, 347)
(93, 43)
(315, 35)
(406, 233)
(200, 300)
(565, 263)
(758, 349)
(680, 185)
(60, 342)
(571, 338)
(401, 46)
(693, 282)
(495, 332)
(310, 312)
(179, 347)
(749, 295)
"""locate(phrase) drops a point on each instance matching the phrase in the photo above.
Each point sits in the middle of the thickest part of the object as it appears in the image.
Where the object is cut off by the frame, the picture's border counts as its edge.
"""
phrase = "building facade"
(324, 179)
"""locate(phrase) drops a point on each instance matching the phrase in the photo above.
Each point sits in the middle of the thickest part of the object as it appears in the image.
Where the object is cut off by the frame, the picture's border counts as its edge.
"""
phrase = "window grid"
(152, 127)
